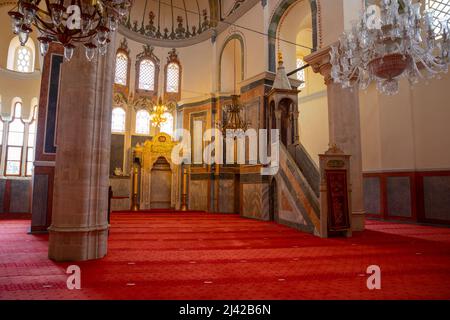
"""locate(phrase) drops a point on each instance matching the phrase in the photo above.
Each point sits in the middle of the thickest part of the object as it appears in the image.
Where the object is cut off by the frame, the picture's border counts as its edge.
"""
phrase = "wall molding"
(313, 96)
(402, 170)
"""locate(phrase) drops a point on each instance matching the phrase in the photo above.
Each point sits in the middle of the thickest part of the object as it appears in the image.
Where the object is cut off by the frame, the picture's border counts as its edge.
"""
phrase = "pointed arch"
(275, 22)
(235, 36)
(172, 77)
(147, 72)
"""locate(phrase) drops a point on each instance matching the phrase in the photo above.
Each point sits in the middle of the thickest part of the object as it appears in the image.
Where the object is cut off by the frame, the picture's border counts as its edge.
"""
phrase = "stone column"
(278, 117)
(79, 229)
(344, 129)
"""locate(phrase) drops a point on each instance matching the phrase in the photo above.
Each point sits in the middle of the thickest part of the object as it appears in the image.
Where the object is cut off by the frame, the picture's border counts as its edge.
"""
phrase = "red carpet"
(205, 256)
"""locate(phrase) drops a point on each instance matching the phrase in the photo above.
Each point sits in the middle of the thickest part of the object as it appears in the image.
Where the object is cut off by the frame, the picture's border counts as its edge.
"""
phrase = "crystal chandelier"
(399, 42)
(69, 22)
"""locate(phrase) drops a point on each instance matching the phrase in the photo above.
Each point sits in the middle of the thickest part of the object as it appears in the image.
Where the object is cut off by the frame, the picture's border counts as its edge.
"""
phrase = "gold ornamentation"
(334, 149)
(121, 100)
(157, 115)
(161, 146)
(124, 46)
(280, 57)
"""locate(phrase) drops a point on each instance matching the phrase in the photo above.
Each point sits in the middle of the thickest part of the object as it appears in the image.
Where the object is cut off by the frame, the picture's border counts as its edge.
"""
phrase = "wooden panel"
(424, 198)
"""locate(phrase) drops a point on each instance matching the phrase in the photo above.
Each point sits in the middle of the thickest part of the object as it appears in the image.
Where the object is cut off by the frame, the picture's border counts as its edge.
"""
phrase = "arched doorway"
(160, 193)
(273, 201)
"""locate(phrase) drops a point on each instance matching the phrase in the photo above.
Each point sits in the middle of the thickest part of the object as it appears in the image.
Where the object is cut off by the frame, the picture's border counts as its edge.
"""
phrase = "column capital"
(320, 63)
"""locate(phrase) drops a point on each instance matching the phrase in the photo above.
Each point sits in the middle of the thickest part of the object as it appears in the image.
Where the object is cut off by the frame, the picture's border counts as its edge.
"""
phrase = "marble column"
(79, 229)
(344, 129)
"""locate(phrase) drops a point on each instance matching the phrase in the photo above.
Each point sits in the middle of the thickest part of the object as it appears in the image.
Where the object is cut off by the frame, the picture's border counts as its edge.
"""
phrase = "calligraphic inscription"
(336, 163)
(338, 212)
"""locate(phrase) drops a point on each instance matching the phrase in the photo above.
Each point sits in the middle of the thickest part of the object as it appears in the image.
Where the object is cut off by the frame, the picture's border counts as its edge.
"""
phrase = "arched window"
(143, 122)
(167, 126)
(16, 132)
(301, 73)
(30, 144)
(173, 78)
(118, 120)
(121, 74)
(21, 58)
(147, 75)
(147, 71)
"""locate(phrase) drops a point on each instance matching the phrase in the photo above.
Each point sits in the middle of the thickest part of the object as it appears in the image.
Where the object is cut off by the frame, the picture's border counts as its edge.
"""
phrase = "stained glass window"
(23, 59)
(301, 73)
(441, 11)
(147, 75)
(173, 77)
(167, 126)
(142, 122)
(121, 69)
(16, 133)
(118, 120)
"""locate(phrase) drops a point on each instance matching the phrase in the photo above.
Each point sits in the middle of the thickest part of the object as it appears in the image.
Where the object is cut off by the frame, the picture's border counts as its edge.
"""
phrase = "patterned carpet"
(205, 256)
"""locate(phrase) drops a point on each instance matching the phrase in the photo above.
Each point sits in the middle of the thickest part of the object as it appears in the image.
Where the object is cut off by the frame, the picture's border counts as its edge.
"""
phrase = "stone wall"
(121, 188)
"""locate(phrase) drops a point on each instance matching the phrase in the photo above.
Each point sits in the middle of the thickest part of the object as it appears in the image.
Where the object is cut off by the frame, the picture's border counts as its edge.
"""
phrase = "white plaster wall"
(408, 131)
(313, 115)
(254, 43)
(295, 21)
(231, 66)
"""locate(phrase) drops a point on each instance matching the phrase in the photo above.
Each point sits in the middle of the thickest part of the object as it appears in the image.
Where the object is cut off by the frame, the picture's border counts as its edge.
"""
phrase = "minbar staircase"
(300, 178)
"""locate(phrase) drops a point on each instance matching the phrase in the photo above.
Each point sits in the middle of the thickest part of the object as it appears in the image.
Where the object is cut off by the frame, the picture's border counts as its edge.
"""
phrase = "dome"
(169, 19)
(178, 23)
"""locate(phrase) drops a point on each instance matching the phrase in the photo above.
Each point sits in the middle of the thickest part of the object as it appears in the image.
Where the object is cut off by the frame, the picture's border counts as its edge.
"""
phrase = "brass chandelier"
(157, 111)
(157, 114)
(87, 22)
(232, 118)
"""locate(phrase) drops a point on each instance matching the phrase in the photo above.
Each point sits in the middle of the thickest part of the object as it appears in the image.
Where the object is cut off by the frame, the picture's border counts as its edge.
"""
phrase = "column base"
(358, 221)
(77, 244)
